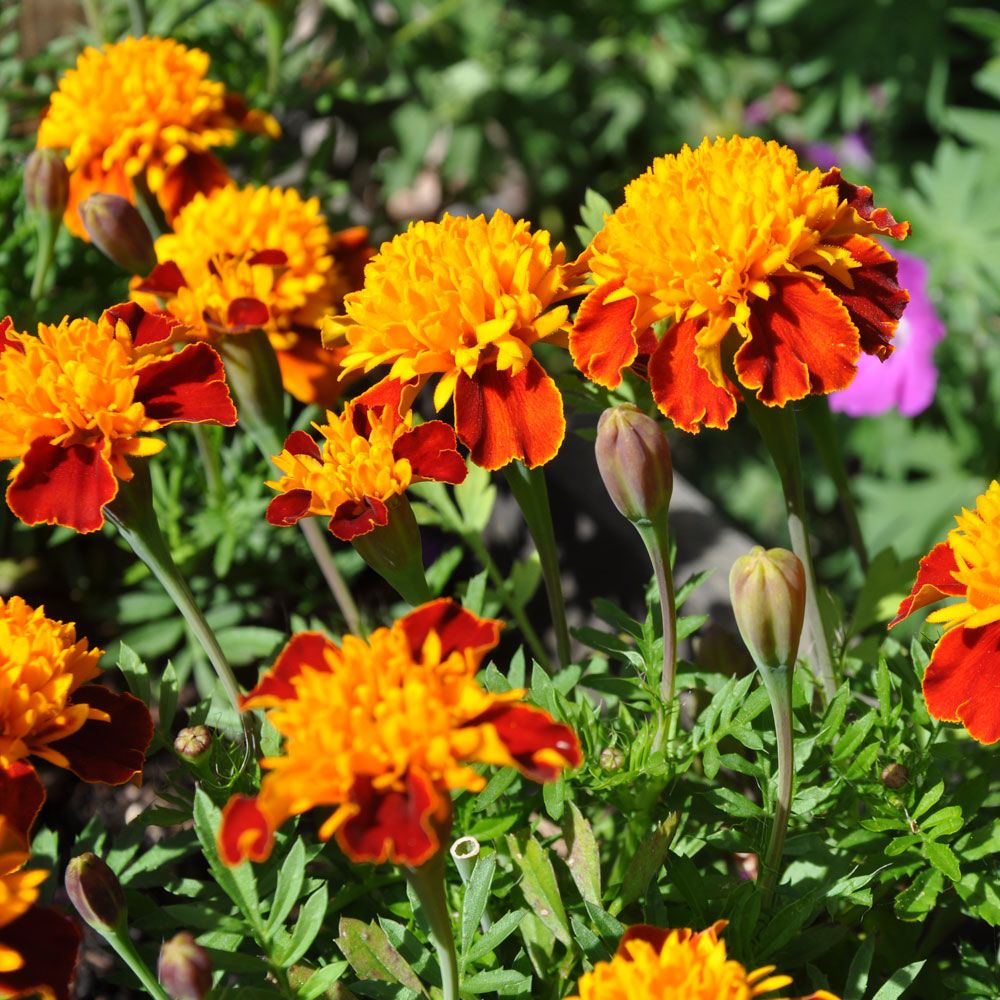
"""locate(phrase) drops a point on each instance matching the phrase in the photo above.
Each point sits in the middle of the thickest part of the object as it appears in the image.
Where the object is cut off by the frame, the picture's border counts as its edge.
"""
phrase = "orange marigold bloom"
(75, 399)
(38, 946)
(657, 964)
(468, 299)
(960, 681)
(48, 710)
(746, 256)
(144, 106)
(370, 454)
(318, 269)
(383, 729)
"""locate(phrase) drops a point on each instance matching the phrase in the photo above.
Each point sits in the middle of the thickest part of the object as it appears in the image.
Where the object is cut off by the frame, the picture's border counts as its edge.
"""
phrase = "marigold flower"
(75, 400)
(38, 946)
(959, 682)
(144, 106)
(740, 251)
(468, 299)
(656, 964)
(383, 729)
(369, 455)
(48, 710)
(318, 269)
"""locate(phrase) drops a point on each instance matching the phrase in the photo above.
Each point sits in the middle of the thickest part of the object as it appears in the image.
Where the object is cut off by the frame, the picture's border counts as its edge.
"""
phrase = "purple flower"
(907, 380)
(850, 151)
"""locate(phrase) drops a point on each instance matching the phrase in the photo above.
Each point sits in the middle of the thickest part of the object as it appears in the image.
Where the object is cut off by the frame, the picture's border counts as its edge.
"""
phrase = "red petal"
(289, 508)
(48, 942)
(247, 312)
(862, 201)
(681, 387)
(456, 628)
(351, 252)
(188, 387)
(7, 324)
(934, 581)
(110, 752)
(655, 936)
(500, 417)
(304, 649)
(244, 832)
(431, 450)
(524, 731)
(357, 517)
(802, 341)
(165, 280)
(603, 340)
(67, 486)
(398, 826)
(300, 443)
(21, 798)
(145, 327)
(197, 173)
(962, 681)
(273, 258)
(390, 392)
(876, 301)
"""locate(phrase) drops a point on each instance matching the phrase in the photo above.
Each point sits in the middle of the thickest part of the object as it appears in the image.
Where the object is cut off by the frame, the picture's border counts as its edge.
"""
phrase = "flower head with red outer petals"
(370, 454)
(382, 730)
(657, 964)
(743, 255)
(467, 299)
(38, 946)
(962, 680)
(79, 399)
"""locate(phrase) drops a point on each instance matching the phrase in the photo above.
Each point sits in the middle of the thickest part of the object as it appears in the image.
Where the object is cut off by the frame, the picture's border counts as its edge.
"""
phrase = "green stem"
(148, 207)
(427, 883)
(465, 852)
(780, 435)
(516, 608)
(129, 954)
(137, 17)
(532, 496)
(824, 435)
(132, 514)
(274, 31)
(48, 230)
(316, 540)
(779, 690)
(209, 454)
(394, 551)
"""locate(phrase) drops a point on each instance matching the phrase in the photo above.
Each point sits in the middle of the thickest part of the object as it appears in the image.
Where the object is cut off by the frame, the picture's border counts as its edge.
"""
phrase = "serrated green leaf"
(372, 955)
(584, 858)
(539, 885)
(477, 894)
(289, 885)
(919, 897)
(942, 857)
(307, 926)
(496, 935)
(899, 982)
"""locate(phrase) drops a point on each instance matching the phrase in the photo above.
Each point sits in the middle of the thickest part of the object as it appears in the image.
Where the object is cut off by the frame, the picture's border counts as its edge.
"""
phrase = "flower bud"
(612, 759)
(768, 592)
(184, 969)
(117, 229)
(634, 461)
(193, 743)
(46, 183)
(895, 775)
(96, 893)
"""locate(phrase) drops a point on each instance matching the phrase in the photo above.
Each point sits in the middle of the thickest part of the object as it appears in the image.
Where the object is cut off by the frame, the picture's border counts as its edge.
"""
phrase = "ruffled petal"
(801, 341)
(7, 326)
(861, 199)
(146, 327)
(197, 173)
(500, 417)
(244, 832)
(289, 508)
(247, 313)
(188, 387)
(391, 392)
(303, 650)
(456, 628)
(935, 579)
(165, 280)
(57, 485)
(541, 746)
(49, 944)
(682, 389)
(604, 341)
(432, 452)
(358, 517)
(21, 798)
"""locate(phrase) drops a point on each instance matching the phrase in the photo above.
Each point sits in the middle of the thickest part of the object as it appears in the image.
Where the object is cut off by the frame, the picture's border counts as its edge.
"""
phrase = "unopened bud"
(612, 759)
(193, 743)
(117, 229)
(895, 775)
(96, 893)
(46, 183)
(633, 458)
(768, 591)
(184, 969)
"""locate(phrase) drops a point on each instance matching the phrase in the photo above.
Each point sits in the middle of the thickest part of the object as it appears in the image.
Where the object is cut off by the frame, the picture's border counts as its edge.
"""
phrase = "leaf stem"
(428, 886)
(779, 690)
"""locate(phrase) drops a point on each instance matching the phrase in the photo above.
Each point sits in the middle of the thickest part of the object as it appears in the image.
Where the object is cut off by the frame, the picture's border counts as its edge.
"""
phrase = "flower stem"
(148, 207)
(48, 230)
(427, 883)
(532, 496)
(316, 540)
(137, 17)
(208, 452)
(779, 690)
(780, 435)
(126, 950)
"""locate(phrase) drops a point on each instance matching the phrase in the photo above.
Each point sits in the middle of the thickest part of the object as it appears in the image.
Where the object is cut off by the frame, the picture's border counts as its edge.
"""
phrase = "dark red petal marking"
(6, 325)
(247, 312)
(351, 252)
(304, 650)
(391, 392)
(146, 327)
(603, 341)
(357, 517)
(401, 826)
(197, 173)
(165, 280)
(301, 443)
(21, 798)
(289, 508)
(525, 731)
(187, 387)
(456, 628)
(432, 451)
(110, 752)
(68, 486)
(681, 387)
(272, 258)
(861, 199)
(244, 832)
(49, 943)
(655, 936)
(934, 581)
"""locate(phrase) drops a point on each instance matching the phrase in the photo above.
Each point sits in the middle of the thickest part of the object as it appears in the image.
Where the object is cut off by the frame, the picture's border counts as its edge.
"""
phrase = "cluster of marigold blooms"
(728, 271)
